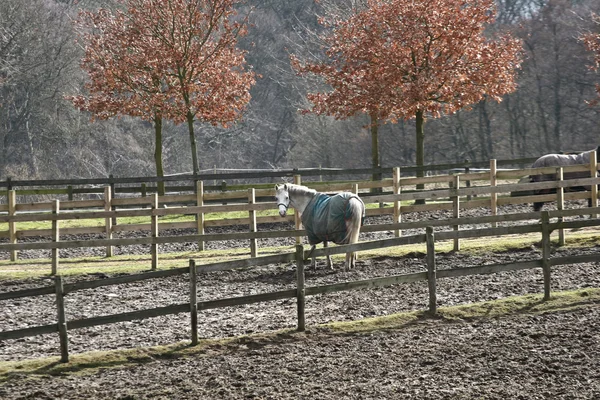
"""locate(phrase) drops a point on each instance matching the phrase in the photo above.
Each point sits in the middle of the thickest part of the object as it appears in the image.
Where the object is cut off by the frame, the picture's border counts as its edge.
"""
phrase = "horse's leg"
(349, 264)
(537, 206)
(329, 263)
(313, 262)
(353, 226)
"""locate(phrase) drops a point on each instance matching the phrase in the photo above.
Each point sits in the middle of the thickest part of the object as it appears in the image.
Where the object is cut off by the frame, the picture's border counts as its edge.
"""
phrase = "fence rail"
(301, 291)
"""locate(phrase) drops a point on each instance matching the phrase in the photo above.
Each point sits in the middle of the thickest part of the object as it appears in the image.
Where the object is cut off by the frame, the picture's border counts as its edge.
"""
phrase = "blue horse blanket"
(324, 218)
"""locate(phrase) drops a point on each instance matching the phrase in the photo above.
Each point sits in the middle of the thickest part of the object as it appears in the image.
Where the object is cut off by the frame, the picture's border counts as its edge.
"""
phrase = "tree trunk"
(375, 149)
(158, 153)
(190, 121)
(420, 120)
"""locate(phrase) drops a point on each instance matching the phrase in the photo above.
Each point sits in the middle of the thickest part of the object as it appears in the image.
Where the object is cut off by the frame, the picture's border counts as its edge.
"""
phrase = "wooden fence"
(444, 192)
(221, 181)
(301, 290)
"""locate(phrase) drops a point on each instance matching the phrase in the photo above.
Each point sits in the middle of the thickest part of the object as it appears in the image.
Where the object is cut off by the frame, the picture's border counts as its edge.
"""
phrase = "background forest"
(42, 135)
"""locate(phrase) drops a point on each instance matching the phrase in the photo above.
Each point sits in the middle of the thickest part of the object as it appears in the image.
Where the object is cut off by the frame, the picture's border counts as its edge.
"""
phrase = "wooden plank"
(118, 280)
(251, 299)
(62, 320)
(488, 269)
(455, 212)
(193, 302)
(12, 228)
(368, 283)
(560, 205)
(246, 262)
(493, 194)
(55, 239)
(200, 216)
(431, 270)
(26, 332)
(471, 233)
(154, 233)
(252, 223)
(129, 316)
(584, 258)
(149, 240)
(397, 209)
(16, 294)
(63, 231)
(300, 289)
(108, 225)
(546, 253)
(297, 219)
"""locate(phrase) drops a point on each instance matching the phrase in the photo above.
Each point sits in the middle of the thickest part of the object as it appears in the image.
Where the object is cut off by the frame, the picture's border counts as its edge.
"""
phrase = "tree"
(592, 43)
(169, 59)
(404, 59)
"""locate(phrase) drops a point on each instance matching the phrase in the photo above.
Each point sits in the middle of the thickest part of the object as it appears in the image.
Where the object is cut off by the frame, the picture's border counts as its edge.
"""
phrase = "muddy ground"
(552, 356)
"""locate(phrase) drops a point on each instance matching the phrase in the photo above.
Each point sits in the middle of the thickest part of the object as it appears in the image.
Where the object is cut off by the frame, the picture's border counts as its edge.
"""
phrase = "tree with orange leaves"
(412, 59)
(592, 43)
(166, 59)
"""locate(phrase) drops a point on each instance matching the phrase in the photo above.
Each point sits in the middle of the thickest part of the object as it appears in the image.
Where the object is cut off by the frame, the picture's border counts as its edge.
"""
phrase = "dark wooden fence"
(546, 227)
(222, 181)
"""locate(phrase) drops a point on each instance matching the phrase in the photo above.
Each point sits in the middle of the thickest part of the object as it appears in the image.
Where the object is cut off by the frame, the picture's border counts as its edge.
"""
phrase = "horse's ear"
(276, 187)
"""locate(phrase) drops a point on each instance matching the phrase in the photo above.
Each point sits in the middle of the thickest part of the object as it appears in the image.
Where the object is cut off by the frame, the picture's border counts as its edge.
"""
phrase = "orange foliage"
(398, 57)
(165, 58)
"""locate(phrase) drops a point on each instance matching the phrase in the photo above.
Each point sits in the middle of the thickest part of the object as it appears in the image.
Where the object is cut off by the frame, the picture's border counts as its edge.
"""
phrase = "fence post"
(468, 182)
(55, 237)
(108, 221)
(223, 190)
(397, 205)
(62, 321)
(456, 210)
(12, 226)
(200, 215)
(252, 218)
(301, 292)
(594, 174)
(560, 205)
(193, 303)
(297, 220)
(494, 194)
(546, 253)
(113, 193)
(431, 272)
(70, 192)
(154, 231)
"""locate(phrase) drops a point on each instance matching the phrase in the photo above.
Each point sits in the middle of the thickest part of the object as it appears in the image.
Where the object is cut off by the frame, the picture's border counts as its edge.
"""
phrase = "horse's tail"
(356, 211)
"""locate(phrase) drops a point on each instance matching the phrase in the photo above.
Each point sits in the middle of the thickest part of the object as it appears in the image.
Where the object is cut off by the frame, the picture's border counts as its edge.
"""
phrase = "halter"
(283, 204)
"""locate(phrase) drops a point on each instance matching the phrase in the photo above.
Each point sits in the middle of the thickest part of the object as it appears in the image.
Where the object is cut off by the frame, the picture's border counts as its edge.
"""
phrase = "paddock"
(430, 339)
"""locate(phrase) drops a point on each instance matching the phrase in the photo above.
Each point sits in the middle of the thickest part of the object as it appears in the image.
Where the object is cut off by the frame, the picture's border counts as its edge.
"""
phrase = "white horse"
(326, 218)
(562, 160)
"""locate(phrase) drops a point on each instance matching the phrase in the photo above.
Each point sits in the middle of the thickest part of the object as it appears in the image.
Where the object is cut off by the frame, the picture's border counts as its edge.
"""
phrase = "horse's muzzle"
(282, 211)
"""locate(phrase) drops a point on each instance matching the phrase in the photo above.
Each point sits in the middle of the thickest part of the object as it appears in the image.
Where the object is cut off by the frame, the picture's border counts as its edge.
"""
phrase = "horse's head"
(282, 197)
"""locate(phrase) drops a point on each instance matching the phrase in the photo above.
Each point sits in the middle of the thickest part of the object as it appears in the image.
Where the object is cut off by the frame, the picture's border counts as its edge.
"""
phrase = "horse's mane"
(299, 189)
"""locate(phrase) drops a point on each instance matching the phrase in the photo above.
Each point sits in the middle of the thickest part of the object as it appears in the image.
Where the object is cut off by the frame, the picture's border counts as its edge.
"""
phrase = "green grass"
(90, 362)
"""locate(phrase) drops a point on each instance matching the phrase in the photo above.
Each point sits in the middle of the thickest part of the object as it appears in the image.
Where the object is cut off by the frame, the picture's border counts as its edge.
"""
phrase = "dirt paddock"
(549, 356)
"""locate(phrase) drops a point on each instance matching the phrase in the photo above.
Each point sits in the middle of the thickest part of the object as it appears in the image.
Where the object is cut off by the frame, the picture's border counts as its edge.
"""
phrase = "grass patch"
(124, 264)
(90, 362)
(24, 269)
(510, 306)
